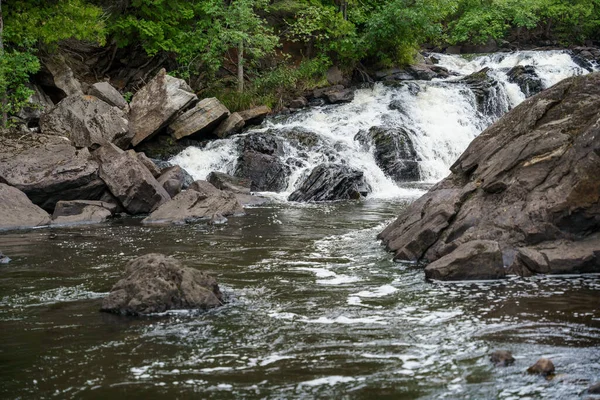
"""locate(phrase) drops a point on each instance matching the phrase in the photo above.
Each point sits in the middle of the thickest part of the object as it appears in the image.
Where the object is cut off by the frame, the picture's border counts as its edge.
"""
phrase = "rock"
(421, 71)
(148, 163)
(484, 88)
(339, 96)
(255, 116)
(174, 179)
(299, 102)
(107, 93)
(502, 358)
(88, 122)
(229, 183)
(37, 104)
(297, 136)
(527, 79)
(489, 47)
(453, 50)
(475, 260)
(231, 125)
(203, 118)
(320, 92)
(334, 76)
(199, 202)
(130, 181)
(394, 152)
(156, 104)
(543, 366)
(330, 182)
(48, 169)
(113, 203)
(217, 219)
(594, 389)
(17, 211)
(82, 212)
(4, 259)
(63, 76)
(529, 182)
(156, 283)
(164, 147)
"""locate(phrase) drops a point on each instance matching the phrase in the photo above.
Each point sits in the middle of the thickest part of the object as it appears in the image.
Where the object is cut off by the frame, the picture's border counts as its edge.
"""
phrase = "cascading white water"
(441, 117)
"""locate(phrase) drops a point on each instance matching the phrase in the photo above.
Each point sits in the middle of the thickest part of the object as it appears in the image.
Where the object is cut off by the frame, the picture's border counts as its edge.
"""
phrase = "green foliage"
(15, 68)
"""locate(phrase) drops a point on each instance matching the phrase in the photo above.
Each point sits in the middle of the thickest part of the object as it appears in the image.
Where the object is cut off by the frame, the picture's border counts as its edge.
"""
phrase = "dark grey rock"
(502, 358)
(330, 182)
(484, 87)
(299, 102)
(174, 179)
(527, 79)
(255, 116)
(543, 366)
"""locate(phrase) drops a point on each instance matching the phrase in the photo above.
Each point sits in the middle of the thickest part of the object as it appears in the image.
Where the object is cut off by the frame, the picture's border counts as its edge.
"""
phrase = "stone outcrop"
(231, 125)
(88, 122)
(82, 212)
(330, 182)
(203, 118)
(255, 116)
(174, 179)
(156, 283)
(107, 93)
(199, 203)
(422, 72)
(129, 180)
(527, 79)
(394, 152)
(48, 169)
(17, 211)
(154, 105)
(530, 182)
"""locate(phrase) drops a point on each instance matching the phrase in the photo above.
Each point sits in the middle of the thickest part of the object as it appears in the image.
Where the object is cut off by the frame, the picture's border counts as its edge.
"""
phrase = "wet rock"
(48, 169)
(205, 117)
(255, 116)
(484, 87)
(156, 283)
(88, 122)
(82, 212)
(229, 183)
(527, 79)
(107, 93)
(200, 202)
(475, 260)
(4, 259)
(529, 182)
(320, 92)
(543, 366)
(594, 389)
(164, 147)
(422, 71)
(299, 102)
(502, 358)
(17, 211)
(230, 126)
(174, 179)
(330, 182)
(156, 104)
(130, 181)
(334, 75)
(339, 96)
(299, 137)
(394, 152)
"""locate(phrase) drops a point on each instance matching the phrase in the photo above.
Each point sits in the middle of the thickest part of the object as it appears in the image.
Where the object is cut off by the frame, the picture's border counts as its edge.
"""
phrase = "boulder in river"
(174, 179)
(529, 182)
(231, 125)
(48, 169)
(203, 118)
(543, 366)
(527, 79)
(229, 183)
(255, 116)
(330, 182)
(88, 122)
(484, 87)
(594, 389)
(156, 283)
(502, 358)
(199, 203)
(154, 105)
(129, 180)
(17, 211)
(82, 212)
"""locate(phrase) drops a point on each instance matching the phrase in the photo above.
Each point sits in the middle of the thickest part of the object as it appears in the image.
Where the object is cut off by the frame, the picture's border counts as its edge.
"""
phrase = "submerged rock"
(82, 212)
(502, 358)
(330, 182)
(156, 283)
(17, 211)
(529, 182)
(543, 366)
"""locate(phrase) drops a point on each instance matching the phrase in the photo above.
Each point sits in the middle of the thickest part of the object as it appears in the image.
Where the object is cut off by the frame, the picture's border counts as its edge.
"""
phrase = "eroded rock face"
(530, 182)
(48, 169)
(17, 211)
(229, 183)
(199, 203)
(129, 180)
(82, 212)
(156, 283)
(156, 104)
(88, 122)
(330, 182)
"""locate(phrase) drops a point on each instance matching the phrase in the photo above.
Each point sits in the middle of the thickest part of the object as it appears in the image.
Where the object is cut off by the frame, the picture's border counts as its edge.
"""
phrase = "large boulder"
(129, 180)
(200, 202)
(17, 211)
(154, 105)
(529, 182)
(88, 122)
(229, 183)
(82, 212)
(107, 93)
(203, 118)
(156, 283)
(394, 152)
(260, 162)
(48, 169)
(231, 125)
(255, 116)
(527, 79)
(330, 182)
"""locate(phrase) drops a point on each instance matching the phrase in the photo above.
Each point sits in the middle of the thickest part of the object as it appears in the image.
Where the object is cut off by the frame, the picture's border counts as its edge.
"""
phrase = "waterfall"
(441, 117)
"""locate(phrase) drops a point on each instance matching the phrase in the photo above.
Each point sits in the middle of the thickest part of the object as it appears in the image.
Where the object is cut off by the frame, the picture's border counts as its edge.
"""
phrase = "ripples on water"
(315, 308)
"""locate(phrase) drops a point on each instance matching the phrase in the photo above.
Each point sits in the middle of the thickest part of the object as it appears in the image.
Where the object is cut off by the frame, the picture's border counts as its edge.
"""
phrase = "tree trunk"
(240, 69)
(3, 98)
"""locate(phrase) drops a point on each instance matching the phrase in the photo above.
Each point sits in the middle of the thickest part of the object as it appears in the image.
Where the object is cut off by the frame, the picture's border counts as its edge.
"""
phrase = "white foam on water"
(329, 380)
(381, 291)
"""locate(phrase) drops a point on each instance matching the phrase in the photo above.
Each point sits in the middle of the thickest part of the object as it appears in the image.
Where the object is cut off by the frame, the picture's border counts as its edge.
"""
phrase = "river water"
(315, 306)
